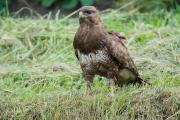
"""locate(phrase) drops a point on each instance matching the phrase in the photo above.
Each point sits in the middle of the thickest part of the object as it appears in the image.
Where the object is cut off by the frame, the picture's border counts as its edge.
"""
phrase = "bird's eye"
(88, 12)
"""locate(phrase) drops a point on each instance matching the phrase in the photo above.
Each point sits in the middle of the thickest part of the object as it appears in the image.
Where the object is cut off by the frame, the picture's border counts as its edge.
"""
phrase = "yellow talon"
(112, 89)
(112, 92)
(85, 94)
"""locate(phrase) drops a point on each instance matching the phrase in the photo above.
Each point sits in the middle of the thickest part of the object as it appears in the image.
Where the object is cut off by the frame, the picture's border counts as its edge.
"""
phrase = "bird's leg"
(88, 80)
(112, 79)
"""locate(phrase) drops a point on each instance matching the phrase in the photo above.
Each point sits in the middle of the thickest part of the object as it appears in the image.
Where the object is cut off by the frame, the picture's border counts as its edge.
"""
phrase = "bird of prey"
(102, 52)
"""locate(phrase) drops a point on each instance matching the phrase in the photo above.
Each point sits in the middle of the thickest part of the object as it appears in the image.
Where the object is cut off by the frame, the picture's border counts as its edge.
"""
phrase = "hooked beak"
(81, 15)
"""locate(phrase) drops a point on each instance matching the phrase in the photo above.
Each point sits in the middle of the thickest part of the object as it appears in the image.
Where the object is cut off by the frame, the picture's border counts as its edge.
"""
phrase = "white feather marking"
(113, 43)
(91, 60)
(82, 30)
(88, 28)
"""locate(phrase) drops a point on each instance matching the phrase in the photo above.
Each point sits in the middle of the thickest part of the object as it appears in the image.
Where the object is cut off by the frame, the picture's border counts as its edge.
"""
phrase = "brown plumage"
(102, 52)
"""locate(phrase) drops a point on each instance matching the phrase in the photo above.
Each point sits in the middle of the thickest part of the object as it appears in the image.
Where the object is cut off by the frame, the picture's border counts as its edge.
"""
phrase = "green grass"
(40, 77)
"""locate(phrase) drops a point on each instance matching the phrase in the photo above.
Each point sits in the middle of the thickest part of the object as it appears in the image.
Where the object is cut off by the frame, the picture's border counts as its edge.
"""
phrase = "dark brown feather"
(121, 36)
(118, 50)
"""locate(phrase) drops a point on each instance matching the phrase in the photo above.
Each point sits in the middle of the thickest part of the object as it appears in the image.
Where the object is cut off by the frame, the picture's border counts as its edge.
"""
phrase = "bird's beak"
(81, 15)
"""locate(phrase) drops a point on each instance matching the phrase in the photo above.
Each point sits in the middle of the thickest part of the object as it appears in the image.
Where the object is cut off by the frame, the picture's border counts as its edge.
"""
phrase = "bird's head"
(88, 14)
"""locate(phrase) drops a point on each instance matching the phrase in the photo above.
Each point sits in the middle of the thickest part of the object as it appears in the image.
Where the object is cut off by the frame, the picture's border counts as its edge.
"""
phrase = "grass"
(40, 77)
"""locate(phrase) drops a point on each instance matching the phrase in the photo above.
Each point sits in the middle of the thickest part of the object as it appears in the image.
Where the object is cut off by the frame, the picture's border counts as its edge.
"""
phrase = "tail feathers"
(143, 81)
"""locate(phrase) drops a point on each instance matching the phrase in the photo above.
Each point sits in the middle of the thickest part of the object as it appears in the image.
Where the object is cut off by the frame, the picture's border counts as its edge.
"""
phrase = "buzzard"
(102, 52)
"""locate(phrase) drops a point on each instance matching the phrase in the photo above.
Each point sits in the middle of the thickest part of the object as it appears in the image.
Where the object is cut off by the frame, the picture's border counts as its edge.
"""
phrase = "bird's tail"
(143, 81)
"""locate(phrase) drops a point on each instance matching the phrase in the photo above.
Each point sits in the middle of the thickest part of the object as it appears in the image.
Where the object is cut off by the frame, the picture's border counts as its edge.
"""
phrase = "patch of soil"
(36, 6)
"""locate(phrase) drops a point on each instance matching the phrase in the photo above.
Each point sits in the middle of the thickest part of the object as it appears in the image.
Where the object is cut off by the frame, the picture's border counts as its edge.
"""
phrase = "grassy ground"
(40, 77)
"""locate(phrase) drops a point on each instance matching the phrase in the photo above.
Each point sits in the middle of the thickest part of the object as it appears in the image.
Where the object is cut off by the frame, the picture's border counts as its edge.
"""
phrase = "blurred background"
(9, 7)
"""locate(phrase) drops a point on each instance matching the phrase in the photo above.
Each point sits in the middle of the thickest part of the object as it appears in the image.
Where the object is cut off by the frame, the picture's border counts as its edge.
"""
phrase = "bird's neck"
(88, 23)
(88, 37)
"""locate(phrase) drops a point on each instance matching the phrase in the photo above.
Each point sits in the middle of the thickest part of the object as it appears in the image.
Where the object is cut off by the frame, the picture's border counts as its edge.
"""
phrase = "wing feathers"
(121, 36)
(76, 53)
(118, 50)
(115, 46)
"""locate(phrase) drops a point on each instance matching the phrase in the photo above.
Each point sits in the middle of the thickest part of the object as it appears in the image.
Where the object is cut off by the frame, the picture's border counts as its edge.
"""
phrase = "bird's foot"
(112, 92)
(85, 94)
(112, 95)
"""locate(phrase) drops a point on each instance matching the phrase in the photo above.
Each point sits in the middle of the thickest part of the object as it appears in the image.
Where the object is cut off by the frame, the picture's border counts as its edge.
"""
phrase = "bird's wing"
(121, 36)
(119, 51)
(115, 46)
(75, 49)
(76, 53)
